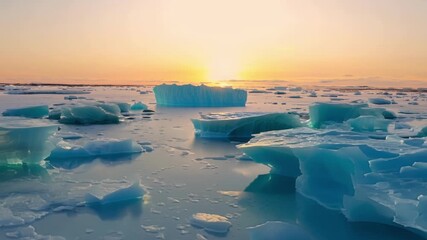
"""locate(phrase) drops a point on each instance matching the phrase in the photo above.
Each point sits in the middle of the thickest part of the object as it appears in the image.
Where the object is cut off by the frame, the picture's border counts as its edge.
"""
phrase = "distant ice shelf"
(242, 124)
(198, 96)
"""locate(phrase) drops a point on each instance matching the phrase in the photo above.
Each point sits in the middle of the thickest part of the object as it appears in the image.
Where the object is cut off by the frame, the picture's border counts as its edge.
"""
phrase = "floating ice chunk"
(323, 112)
(198, 96)
(88, 113)
(68, 135)
(124, 107)
(211, 222)
(295, 89)
(133, 192)
(369, 124)
(24, 140)
(138, 106)
(97, 148)
(258, 91)
(242, 124)
(70, 97)
(28, 112)
(379, 101)
(423, 132)
(278, 231)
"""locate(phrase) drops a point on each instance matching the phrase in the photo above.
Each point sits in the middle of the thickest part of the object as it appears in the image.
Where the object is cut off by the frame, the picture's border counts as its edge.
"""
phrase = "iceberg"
(277, 230)
(28, 112)
(364, 175)
(124, 107)
(93, 149)
(133, 192)
(86, 113)
(138, 106)
(242, 124)
(211, 222)
(198, 96)
(25, 140)
(325, 112)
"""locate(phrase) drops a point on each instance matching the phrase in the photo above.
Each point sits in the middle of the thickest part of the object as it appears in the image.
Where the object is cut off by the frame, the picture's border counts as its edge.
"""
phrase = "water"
(179, 179)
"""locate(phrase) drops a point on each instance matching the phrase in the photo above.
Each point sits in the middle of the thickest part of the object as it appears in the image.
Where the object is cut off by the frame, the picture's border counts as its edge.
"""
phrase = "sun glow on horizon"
(130, 41)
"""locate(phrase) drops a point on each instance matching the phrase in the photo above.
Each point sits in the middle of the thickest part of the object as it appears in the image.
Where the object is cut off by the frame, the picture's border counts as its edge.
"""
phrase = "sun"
(224, 69)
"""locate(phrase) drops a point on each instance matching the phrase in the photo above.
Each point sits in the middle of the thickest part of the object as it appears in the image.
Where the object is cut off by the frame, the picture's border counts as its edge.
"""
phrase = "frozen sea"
(182, 175)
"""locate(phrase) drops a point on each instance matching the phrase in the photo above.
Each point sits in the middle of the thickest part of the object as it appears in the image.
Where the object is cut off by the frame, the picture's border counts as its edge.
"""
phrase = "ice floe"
(93, 149)
(211, 222)
(365, 175)
(28, 112)
(133, 192)
(242, 124)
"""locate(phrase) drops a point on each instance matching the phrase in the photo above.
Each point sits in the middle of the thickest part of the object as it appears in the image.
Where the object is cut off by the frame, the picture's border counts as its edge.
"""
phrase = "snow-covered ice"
(211, 222)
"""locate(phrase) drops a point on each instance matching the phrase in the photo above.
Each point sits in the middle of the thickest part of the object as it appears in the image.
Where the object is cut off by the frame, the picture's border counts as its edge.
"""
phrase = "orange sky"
(124, 41)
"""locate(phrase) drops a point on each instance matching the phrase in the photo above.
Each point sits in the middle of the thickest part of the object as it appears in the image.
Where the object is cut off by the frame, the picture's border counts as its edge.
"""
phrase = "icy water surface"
(183, 175)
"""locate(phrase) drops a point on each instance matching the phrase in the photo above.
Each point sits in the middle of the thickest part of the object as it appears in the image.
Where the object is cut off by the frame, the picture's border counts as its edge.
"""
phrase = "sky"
(135, 41)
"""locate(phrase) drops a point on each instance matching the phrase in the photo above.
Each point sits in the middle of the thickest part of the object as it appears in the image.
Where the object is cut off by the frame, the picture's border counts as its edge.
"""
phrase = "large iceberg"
(24, 140)
(198, 96)
(93, 149)
(242, 124)
(28, 112)
(366, 176)
(324, 112)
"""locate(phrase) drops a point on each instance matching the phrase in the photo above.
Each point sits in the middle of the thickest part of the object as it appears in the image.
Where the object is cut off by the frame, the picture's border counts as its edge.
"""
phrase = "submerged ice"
(198, 96)
(242, 124)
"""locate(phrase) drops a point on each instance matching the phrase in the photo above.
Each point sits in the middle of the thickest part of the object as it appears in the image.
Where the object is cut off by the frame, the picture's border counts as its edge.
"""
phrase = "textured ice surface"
(97, 148)
(211, 222)
(24, 140)
(198, 96)
(29, 233)
(242, 124)
(324, 112)
(133, 192)
(369, 124)
(28, 112)
(87, 113)
(366, 176)
(277, 230)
